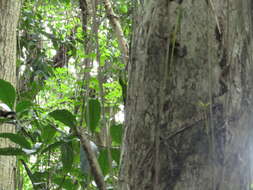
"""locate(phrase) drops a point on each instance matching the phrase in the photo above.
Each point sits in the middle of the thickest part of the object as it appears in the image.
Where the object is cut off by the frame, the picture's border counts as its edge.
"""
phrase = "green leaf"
(10, 151)
(64, 116)
(123, 9)
(48, 132)
(104, 161)
(92, 115)
(5, 120)
(67, 156)
(7, 93)
(116, 155)
(65, 183)
(116, 133)
(18, 139)
(23, 105)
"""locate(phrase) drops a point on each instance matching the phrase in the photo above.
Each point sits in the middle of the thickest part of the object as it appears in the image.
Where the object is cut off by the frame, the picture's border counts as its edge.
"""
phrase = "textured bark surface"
(189, 105)
(9, 14)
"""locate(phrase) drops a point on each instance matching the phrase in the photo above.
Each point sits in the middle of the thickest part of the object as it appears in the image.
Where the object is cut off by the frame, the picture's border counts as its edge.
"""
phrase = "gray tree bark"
(190, 97)
(9, 15)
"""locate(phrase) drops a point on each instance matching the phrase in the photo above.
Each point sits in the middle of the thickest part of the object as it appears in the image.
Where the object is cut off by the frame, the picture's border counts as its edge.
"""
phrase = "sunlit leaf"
(123, 9)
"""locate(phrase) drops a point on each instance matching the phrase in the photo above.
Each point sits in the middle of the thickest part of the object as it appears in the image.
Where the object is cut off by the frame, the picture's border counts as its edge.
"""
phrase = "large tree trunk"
(9, 14)
(190, 97)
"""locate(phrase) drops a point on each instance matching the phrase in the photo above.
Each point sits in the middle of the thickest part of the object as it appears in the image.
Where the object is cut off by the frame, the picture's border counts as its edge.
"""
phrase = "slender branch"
(31, 177)
(95, 168)
(118, 30)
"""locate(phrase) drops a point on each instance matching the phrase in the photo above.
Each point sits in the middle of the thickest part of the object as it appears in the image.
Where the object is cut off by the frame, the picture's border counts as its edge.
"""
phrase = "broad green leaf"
(23, 105)
(116, 133)
(64, 116)
(18, 139)
(92, 115)
(7, 93)
(48, 132)
(67, 156)
(10, 151)
(116, 155)
(104, 161)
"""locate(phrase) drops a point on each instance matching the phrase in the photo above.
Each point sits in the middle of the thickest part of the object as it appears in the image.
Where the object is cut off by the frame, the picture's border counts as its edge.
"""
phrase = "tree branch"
(118, 30)
(95, 168)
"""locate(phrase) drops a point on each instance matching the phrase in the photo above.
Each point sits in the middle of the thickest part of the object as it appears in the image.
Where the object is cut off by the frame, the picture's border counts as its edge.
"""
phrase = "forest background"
(69, 61)
(175, 76)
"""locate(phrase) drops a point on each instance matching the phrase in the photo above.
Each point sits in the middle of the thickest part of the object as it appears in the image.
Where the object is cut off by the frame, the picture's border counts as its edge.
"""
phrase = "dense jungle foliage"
(71, 80)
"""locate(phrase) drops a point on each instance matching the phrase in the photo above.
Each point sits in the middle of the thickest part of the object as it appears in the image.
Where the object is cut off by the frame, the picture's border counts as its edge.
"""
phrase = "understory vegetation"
(71, 84)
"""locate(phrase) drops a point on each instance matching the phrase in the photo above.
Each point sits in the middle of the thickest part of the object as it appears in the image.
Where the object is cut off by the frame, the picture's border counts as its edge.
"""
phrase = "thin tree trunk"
(9, 14)
(189, 105)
